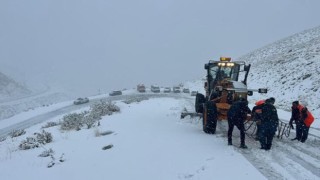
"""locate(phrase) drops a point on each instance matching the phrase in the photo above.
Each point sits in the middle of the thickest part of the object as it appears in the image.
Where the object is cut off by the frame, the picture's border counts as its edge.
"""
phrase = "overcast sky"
(87, 45)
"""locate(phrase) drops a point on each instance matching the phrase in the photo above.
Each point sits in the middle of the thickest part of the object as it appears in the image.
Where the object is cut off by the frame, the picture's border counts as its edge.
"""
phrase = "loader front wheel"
(210, 118)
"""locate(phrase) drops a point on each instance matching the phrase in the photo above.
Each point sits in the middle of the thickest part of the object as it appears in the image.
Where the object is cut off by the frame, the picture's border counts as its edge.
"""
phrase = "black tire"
(210, 117)
(200, 100)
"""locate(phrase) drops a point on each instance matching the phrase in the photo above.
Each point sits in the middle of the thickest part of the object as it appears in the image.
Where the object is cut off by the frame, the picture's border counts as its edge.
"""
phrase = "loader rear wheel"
(210, 118)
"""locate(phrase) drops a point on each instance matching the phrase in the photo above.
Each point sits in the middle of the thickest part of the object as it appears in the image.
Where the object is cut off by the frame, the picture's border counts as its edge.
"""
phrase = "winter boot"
(243, 146)
(268, 147)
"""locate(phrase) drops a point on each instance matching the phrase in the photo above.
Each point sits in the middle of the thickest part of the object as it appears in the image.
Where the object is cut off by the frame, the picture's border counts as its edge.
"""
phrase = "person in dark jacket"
(256, 114)
(269, 124)
(299, 115)
(237, 114)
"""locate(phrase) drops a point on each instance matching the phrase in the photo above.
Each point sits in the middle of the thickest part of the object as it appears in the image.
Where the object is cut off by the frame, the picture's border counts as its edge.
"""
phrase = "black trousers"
(240, 125)
(302, 132)
(265, 137)
(267, 132)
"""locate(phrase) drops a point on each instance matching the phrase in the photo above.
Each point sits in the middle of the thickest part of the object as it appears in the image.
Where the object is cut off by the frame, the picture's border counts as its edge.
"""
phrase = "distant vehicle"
(81, 101)
(115, 93)
(141, 88)
(176, 89)
(194, 93)
(167, 90)
(186, 90)
(155, 89)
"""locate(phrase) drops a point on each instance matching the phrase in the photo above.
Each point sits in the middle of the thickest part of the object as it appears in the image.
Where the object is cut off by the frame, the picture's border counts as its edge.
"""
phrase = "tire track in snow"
(309, 161)
(254, 156)
(285, 160)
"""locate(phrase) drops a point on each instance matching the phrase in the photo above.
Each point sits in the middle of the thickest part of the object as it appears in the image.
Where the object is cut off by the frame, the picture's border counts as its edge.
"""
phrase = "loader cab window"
(235, 72)
(222, 72)
(214, 70)
(225, 72)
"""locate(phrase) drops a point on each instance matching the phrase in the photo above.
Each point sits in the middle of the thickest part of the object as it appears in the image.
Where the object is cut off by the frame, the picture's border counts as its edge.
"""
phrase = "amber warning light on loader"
(225, 59)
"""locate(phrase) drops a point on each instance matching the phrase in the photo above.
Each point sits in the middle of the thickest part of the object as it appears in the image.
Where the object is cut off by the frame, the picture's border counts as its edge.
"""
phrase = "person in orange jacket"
(303, 120)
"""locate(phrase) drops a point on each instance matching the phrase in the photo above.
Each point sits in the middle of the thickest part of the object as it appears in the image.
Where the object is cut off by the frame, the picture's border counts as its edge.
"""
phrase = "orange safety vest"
(309, 120)
(262, 101)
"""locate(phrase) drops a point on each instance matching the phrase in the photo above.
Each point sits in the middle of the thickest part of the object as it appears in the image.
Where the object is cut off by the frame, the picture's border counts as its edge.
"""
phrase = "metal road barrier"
(282, 130)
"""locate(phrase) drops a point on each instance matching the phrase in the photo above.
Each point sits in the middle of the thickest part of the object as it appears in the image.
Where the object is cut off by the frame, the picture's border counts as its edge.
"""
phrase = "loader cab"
(225, 70)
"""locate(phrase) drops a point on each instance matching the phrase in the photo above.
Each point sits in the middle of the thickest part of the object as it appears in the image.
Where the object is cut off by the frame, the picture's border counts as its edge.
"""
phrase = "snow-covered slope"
(290, 69)
(10, 88)
(11, 108)
(16, 98)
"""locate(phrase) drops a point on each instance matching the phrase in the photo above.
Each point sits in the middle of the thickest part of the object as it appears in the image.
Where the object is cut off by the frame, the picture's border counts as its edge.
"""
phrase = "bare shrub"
(113, 107)
(35, 142)
(97, 110)
(50, 124)
(72, 121)
(29, 143)
(89, 120)
(46, 153)
(44, 137)
(17, 132)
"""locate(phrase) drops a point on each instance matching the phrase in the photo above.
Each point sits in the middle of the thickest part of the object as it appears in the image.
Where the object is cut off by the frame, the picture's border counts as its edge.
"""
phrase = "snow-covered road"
(7, 125)
(152, 142)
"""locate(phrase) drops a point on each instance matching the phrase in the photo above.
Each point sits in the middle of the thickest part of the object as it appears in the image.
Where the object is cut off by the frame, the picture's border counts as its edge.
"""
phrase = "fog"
(91, 46)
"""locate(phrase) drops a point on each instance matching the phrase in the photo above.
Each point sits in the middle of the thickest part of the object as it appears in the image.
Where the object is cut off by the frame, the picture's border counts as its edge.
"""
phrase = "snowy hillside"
(290, 69)
(16, 98)
(11, 108)
(10, 88)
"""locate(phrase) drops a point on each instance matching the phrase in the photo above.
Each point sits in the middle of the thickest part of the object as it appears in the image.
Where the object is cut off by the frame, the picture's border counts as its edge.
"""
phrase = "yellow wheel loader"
(225, 84)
